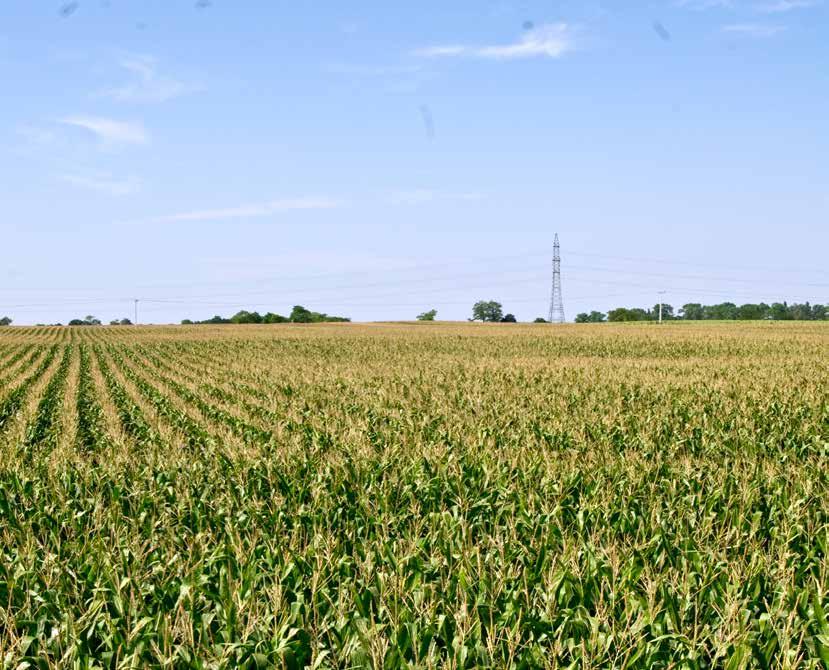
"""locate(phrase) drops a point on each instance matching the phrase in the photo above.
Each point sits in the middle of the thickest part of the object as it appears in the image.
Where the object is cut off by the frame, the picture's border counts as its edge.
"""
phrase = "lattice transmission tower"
(556, 300)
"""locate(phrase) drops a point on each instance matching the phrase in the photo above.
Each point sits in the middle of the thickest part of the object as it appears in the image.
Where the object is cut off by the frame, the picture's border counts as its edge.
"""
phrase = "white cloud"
(247, 211)
(148, 86)
(551, 40)
(109, 131)
(753, 29)
(783, 6)
(103, 184)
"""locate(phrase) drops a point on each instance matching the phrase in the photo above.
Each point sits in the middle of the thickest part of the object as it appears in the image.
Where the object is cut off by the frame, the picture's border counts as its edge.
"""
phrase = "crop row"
(91, 433)
(44, 430)
(132, 419)
(12, 403)
(250, 433)
(194, 435)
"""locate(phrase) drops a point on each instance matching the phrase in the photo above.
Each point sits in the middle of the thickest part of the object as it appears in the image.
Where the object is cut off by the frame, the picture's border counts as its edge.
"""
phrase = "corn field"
(415, 496)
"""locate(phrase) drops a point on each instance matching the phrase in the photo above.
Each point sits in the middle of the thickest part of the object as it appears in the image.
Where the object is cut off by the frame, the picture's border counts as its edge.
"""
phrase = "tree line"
(298, 315)
(724, 311)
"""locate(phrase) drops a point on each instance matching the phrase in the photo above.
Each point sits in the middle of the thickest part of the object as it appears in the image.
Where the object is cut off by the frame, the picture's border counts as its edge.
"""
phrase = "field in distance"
(415, 496)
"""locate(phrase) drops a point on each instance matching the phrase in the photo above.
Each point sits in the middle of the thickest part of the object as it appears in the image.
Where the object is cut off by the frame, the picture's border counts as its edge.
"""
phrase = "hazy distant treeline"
(724, 311)
(298, 315)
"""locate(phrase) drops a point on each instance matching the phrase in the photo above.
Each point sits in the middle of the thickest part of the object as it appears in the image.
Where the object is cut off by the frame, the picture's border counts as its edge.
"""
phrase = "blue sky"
(375, 160)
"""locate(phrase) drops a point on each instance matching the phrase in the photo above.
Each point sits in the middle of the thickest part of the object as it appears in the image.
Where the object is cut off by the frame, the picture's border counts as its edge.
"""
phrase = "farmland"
(393, 495)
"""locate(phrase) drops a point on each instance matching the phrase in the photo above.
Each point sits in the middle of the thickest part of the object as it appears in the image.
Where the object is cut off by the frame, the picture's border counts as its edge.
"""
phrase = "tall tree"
(487, 311)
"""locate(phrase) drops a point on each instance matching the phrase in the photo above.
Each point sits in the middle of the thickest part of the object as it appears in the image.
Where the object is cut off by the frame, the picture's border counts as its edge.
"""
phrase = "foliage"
(301, 315)
(86, 321)
(726, 311)
(428, 316)
(5, 321)
(487, 311)
(404, 497)
(509, 318)
(298, 315)
(120, 322)
(778, 311)
(592, 317)
(540, 319)
(625, 314)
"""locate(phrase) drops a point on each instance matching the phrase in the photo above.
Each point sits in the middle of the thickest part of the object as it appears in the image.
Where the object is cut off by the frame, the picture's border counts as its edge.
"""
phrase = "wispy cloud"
(783, 6)
(103, 184)
(109, 131)
(551, 41)
(753, 29)
(250, 211)
(148, 85)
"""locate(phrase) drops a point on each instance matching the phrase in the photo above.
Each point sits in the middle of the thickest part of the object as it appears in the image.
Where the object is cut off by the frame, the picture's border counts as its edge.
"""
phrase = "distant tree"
(779, 311)
(186, 322)
(428, 316)
(216, 320)
(270, 317)
(667, 312)
(246, 317)
(120, 322)
(752, 312)
(487, 311)
(693, 311)
(800, 312)
(5, 321)
(725, 311)
(88, 320)
(592, 317)
(509, 318)
(819, 312)
(301, 315)
(540, 319)
(625, 314)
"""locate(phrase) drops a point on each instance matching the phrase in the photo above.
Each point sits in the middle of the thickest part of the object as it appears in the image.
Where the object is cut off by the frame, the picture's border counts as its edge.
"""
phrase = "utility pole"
(661, 293)
(136, 312)
(556, 300)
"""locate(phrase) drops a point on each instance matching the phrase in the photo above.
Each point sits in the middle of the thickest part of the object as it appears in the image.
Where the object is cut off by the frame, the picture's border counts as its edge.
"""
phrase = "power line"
(417, 267)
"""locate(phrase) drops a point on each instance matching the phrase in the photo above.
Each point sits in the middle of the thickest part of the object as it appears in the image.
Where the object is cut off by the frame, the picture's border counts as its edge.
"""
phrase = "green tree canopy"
(428, 316)
(246, 317)
(625, 314)
(487, 311)
(592, 317)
